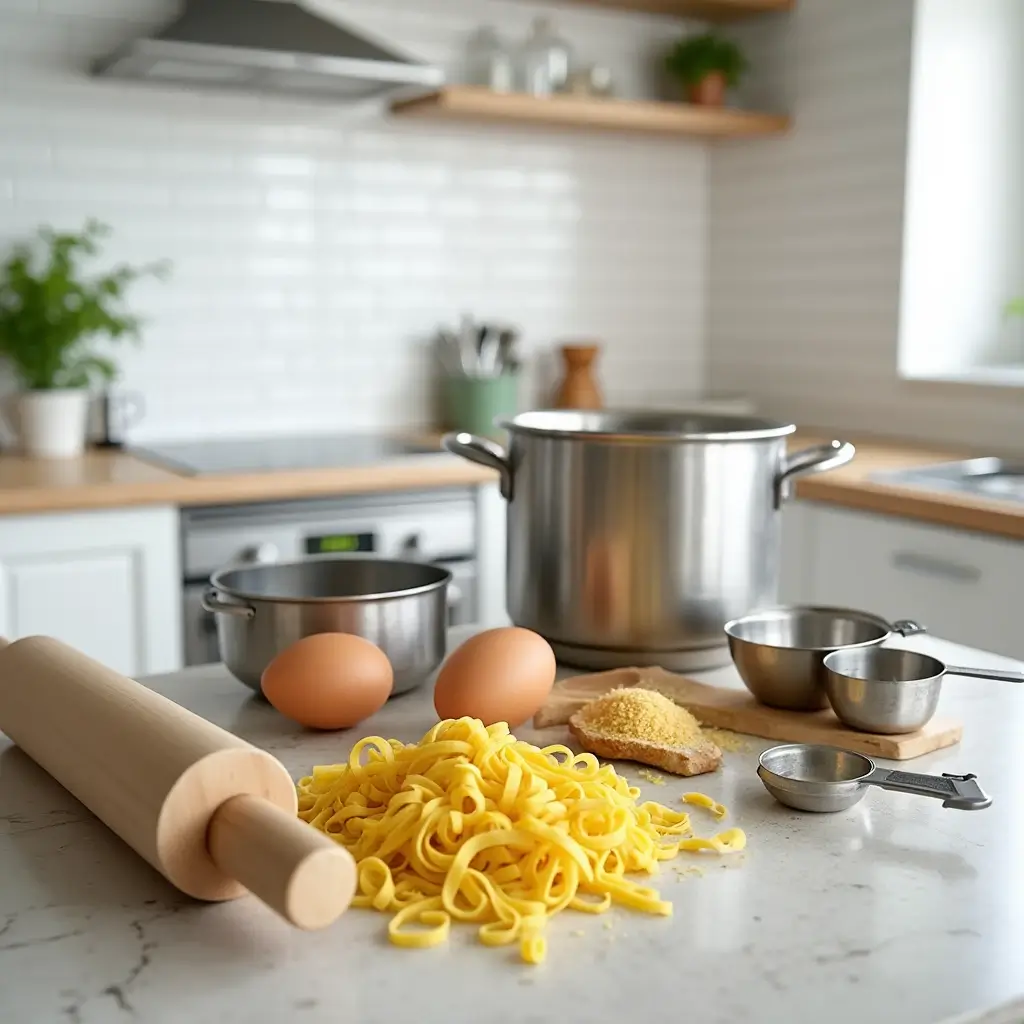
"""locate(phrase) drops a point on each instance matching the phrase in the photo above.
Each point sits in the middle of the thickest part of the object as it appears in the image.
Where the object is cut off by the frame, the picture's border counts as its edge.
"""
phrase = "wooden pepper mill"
(578, 389)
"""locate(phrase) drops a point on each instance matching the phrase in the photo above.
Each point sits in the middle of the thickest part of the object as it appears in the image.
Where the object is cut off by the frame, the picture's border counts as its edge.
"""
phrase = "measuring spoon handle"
(985, 673)
(961, 792)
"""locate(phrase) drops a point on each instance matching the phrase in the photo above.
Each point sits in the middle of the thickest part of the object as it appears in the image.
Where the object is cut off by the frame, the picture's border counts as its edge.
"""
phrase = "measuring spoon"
(811, 777)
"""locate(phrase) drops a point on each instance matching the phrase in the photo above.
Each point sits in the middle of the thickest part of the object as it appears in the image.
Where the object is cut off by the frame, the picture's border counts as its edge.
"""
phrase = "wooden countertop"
(111, 479)
(116, 479)
(851, 486)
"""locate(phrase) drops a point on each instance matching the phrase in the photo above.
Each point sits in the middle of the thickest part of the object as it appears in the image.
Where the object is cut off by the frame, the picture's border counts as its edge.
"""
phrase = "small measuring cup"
(811, 777)
(891, 690)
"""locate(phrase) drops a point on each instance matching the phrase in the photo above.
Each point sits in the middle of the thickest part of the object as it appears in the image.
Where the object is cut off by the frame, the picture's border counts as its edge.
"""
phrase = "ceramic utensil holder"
(472, 404)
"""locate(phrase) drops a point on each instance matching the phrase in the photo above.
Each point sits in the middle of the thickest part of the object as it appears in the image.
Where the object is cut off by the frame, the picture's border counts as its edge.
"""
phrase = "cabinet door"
(962, 586)
(105, 582)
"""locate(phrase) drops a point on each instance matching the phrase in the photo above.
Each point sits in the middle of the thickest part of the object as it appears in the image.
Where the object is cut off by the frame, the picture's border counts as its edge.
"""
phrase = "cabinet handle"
(929, 566)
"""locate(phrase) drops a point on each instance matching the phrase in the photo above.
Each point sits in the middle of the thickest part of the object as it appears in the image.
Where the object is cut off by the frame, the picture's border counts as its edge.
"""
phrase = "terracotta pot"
(579, 389)
(709, 91)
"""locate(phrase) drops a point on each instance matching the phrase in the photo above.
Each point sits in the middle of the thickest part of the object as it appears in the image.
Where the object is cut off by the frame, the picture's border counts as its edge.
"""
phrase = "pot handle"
(818, 459)
(213, 601)
(907, 627)
(484, 453)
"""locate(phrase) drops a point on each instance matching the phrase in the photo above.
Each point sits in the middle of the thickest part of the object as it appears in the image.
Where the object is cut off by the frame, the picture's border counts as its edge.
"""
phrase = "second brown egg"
(500, 675)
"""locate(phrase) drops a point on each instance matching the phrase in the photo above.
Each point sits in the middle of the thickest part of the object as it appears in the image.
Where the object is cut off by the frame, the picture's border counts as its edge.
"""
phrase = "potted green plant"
(706, 65)
(52, 314)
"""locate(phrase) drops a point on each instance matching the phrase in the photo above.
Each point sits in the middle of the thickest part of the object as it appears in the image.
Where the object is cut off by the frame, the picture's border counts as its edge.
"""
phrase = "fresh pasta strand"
(474, 825)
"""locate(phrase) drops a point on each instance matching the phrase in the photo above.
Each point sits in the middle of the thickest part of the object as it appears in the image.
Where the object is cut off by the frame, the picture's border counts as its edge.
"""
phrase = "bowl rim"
(216, 581)
(875, 680)
(783, 611)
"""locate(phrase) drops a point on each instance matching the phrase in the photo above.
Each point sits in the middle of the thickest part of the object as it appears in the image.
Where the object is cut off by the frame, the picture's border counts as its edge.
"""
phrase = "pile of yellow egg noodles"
(472, 824)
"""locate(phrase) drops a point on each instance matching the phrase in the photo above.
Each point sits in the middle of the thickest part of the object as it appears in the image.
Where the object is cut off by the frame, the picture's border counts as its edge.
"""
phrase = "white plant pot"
(51, 424)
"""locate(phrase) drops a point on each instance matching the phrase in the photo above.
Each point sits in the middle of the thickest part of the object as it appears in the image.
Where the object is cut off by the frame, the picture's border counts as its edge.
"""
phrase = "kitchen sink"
(987, 478)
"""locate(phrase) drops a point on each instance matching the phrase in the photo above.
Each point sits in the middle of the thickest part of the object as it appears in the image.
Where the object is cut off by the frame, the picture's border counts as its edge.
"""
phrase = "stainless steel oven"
(436, 526)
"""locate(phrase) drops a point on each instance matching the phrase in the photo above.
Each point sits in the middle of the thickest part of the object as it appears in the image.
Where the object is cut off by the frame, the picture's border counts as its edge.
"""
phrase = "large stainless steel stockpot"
(633, 537)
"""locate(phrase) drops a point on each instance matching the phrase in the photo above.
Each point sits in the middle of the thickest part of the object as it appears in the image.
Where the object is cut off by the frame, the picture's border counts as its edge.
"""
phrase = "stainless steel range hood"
(268, 46)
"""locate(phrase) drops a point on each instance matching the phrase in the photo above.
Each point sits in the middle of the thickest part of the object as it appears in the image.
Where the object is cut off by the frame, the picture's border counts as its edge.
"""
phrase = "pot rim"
(748, 428)
(216, 581)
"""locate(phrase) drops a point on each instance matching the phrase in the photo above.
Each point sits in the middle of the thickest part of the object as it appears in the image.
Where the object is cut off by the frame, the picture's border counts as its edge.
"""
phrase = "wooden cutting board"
(737, 710)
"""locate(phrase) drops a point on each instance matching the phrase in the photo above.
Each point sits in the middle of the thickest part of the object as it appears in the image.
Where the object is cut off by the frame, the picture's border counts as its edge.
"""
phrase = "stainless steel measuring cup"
(890, 690)
(811, 777)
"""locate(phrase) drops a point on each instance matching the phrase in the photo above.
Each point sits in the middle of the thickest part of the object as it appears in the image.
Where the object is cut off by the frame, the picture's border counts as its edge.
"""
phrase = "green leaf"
(1015, 307)
(52, 311)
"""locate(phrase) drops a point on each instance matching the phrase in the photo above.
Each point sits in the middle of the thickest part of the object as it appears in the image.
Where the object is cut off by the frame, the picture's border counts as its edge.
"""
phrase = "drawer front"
(962, 586)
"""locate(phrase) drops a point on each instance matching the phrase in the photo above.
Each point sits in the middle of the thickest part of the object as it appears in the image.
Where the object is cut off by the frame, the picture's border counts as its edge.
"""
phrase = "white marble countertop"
(895, 909)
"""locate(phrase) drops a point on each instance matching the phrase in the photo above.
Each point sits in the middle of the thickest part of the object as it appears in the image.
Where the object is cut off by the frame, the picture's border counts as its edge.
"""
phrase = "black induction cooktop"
(267, 454)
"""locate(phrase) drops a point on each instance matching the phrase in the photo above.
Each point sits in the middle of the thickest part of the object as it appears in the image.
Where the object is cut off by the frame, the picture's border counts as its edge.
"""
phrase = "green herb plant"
(52, 312)
(695, 57)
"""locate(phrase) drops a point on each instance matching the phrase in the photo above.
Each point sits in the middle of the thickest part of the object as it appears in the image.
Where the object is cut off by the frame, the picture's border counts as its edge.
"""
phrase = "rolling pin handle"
(299, 872)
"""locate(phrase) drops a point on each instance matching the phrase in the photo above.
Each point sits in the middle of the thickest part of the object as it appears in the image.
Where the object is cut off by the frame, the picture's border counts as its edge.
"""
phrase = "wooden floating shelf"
(705, 10)
(472, 103)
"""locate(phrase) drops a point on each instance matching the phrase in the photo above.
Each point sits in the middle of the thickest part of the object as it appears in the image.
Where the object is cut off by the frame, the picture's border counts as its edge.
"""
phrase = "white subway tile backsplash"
(123, 9)
(80, 191)
(25, 37)
(71, 157)
(316, 245)
(25, 155)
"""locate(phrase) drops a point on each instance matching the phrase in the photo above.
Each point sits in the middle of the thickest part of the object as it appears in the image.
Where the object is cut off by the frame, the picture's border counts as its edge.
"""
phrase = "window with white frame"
(962, 294)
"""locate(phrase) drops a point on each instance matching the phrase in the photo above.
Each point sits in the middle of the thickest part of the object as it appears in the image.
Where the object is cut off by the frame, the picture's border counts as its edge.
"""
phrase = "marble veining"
(895, 909)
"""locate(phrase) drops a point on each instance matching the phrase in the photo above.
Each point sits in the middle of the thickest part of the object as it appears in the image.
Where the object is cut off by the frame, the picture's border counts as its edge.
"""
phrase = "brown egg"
(501, 675)
(329, 680)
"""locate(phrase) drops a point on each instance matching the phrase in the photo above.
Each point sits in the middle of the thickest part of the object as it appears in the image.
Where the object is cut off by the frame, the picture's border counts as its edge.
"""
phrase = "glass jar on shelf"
(489, 62)
(545, 61)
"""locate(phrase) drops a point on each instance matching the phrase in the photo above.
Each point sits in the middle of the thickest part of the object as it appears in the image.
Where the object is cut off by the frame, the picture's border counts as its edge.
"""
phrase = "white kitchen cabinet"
(794, 586)
(962, 586)
(107, 582)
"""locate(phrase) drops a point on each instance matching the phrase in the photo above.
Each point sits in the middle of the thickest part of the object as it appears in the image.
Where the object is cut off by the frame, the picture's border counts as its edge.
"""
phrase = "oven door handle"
(213, 601)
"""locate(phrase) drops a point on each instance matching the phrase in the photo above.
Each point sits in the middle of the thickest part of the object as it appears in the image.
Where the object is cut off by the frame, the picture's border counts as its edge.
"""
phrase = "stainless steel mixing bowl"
(400, 606)
(779, 652)
(889, 690)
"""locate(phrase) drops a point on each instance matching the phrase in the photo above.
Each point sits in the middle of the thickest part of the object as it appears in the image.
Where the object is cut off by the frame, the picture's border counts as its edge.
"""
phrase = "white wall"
(316, 247)
(964, 238)
(806, 245)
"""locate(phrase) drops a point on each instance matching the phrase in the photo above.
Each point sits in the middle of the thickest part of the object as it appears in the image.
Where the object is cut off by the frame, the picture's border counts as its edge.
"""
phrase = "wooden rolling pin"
(213, 814)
